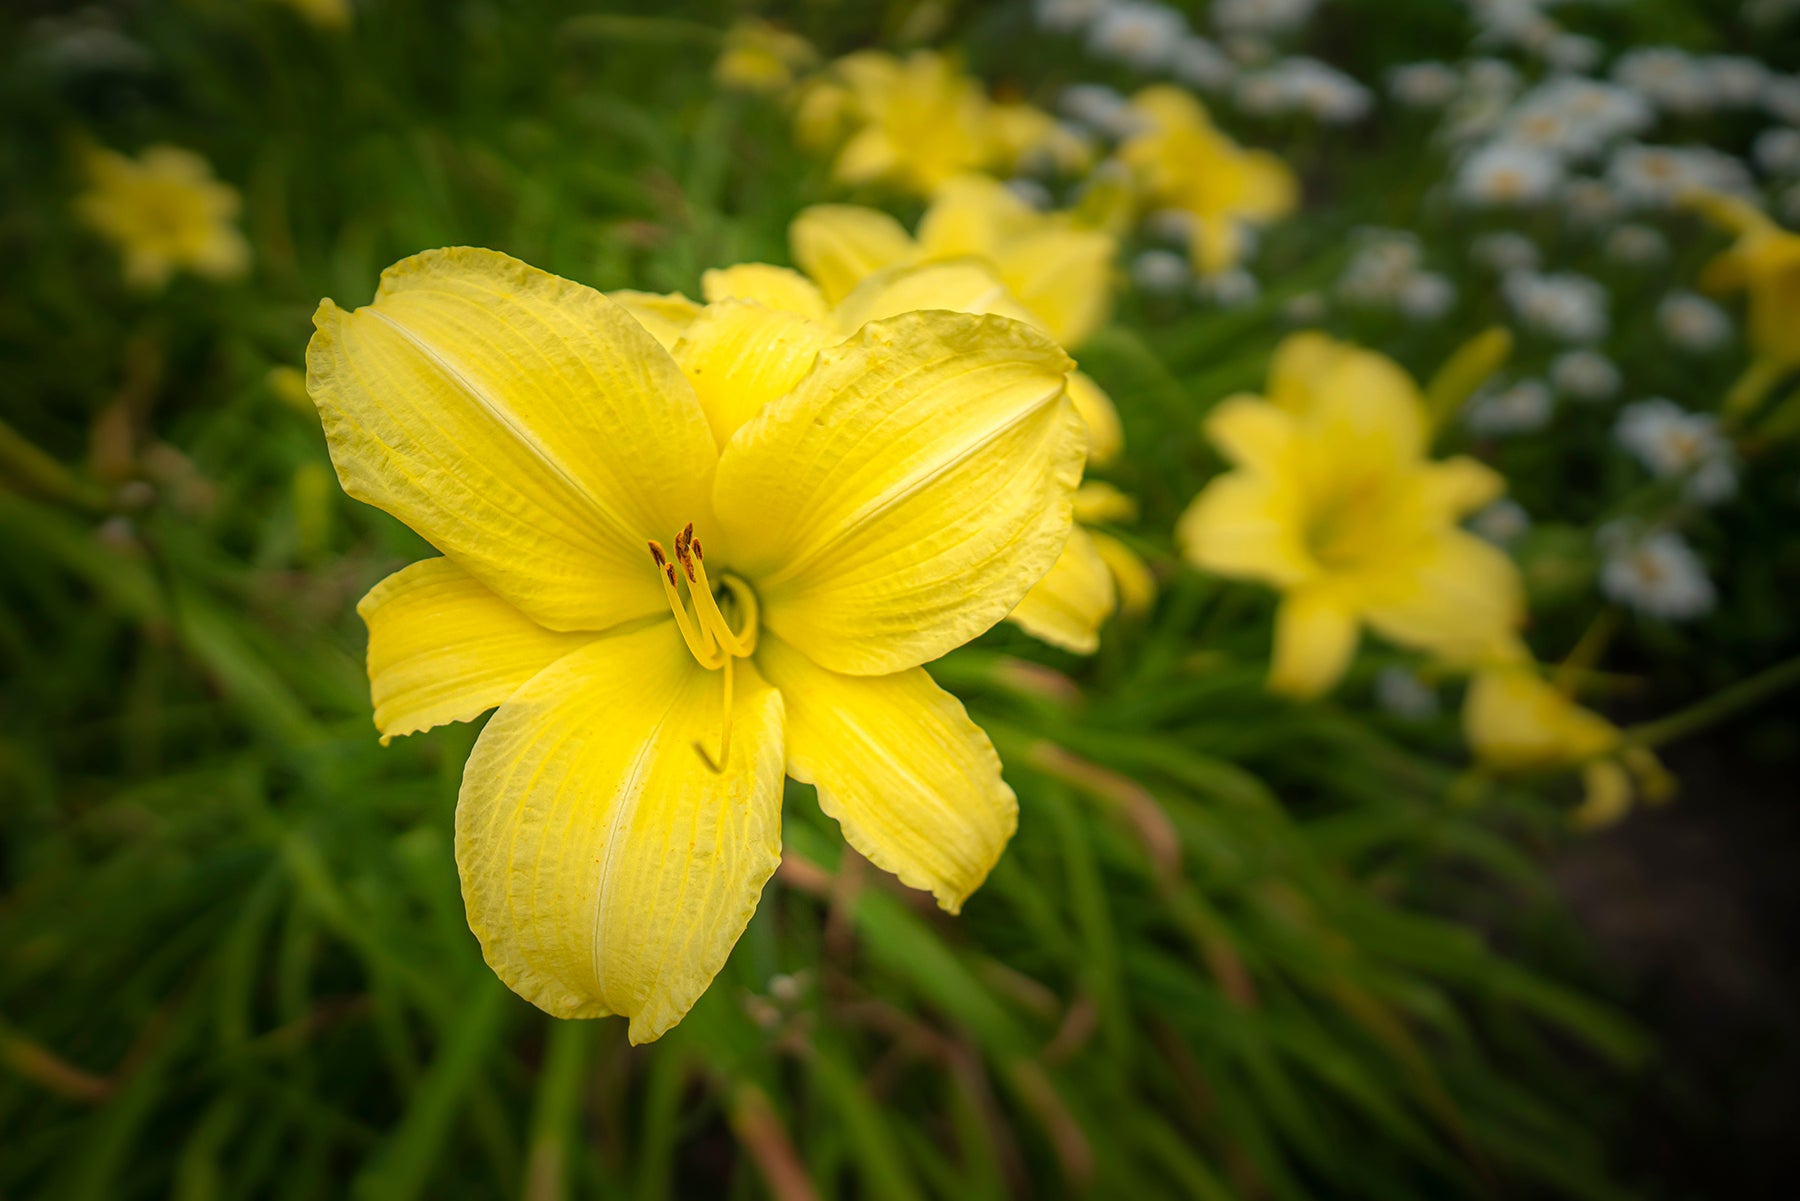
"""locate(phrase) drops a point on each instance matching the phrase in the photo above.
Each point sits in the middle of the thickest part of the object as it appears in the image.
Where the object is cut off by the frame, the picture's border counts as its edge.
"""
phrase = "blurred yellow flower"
(864, 508)
(1332, 501)
(915, 122)
(1516, 721)
(1764, 263)
(326, 14)
(1184, 162)
(759, 57)
(165, 212)
(1060, 270)
(1068, 606)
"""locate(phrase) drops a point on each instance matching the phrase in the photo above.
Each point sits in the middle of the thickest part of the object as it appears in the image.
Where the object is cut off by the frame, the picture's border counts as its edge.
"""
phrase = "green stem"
(1719, 706)
(22, 463)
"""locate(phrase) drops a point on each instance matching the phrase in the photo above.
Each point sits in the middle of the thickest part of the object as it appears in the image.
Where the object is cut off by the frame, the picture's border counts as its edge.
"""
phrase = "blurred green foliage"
(1239, 948)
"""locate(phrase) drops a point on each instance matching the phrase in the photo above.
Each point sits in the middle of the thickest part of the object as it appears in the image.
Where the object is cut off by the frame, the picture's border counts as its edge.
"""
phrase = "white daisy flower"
(1229, 289)
(1503, 522)
(1137, 33)
(1303, 85)
(1522, 408)
(1161, 272)
(1506, 173)
(1590, 203)
(1198, 63)
(1576, 117)
(1104, 110)
(1384, 261)
(1669, 78)
(1400, 691)
(1656, 573)
(1637, 245)
(1427, 296)
(1262, 17)
(1735, 80)
(1573, 52)
(1067, 16)
(1504, 250)
(1781, 98)
(1777, 151)
(1031, 192)
(1692, 322)
(1569, 307)
(1660, 176)
(1584, 375)
(1673, 443)
(1424, 85)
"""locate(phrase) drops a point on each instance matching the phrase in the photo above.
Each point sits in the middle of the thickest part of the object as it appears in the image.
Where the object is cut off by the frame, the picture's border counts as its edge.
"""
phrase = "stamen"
(706, 607)
(700, 647)
(707, 632)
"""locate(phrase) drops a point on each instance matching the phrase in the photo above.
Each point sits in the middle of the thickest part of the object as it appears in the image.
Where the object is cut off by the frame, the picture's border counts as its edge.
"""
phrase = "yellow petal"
(1516, 721)
(958, 286)
(912, 782)
(839, 245)
(908, 493)
(1457, 596)
(869, 155)
(1106, 437)
(1063, 276)
(606, 868)
(1067, 606)
(1251, 432)
(1131, 575)
(1099, 503)
(1608, 795)
(525, 425)
(1297, 366)
(443, 648)
(972, 215)
(739, 356)
(665, 316)
(1456, 486)
(773, 287)
(1367, 412)
(1315, 637)
(1247, 525)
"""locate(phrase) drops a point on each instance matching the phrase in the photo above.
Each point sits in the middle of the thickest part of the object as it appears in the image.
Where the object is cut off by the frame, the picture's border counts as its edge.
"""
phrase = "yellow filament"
(697, 643)
(709, 636)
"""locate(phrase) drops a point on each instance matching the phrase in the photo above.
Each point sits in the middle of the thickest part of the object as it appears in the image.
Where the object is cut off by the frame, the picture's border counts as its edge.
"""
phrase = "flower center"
(707, 632)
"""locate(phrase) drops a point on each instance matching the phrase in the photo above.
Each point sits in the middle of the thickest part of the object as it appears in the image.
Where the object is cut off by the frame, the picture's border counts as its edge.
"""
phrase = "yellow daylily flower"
(165, 212)
(1067, 607)
(678, 574)
(1516, 721)
(1764, 263)
(762, 58)
(915, 122)
(1183, 161)
(1059, 270)
(1332, 500)
(326, 14)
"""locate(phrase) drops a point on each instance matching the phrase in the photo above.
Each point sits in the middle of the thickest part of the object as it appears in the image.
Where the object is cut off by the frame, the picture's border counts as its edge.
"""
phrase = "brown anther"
(697, 553)
(684, 542)
(669, 570)
(656, 552)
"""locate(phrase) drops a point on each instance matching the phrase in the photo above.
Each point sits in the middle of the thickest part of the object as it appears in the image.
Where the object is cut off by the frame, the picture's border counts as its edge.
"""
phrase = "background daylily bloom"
(1182, 161)
(680, 574)
(1059, 270)
(165, 212)
(1067, 607)
(915, 122)
(1516, 721)
(1333, 501)
(760, 57)
(1764, 263)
